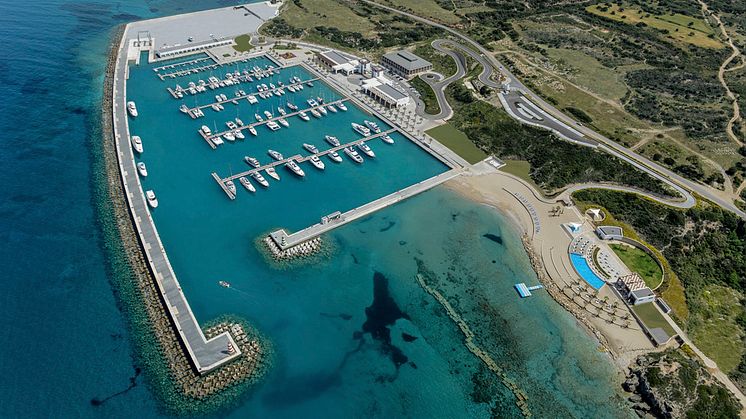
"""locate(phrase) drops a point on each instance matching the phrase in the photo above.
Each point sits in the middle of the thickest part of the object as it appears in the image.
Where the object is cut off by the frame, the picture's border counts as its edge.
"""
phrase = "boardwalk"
(285, 240)
(204, 354)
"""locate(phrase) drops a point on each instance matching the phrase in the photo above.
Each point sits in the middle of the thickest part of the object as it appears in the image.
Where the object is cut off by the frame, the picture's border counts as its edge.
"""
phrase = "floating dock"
(525, 291)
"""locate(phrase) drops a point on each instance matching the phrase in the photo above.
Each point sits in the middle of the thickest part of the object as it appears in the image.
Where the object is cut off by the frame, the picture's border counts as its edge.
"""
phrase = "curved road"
(578, 132)
(440, 86)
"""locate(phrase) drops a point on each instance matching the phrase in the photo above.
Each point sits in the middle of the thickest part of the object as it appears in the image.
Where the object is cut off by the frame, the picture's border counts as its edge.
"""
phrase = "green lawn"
(640, 262)
(520, 169)
(242, 43)
(652, 318)
(457, 141)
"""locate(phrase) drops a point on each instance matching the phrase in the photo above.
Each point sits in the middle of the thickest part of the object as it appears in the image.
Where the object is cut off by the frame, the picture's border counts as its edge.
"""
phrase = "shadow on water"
(133, 383)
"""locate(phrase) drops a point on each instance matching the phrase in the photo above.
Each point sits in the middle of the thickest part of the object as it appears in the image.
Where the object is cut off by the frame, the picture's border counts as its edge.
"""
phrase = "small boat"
(239, 122)
(251, 161)
(224, 284)
(291, 89)
(259, 178)
(333, 141)
(272, 173)
(132, 109)
(315, 113)
(366, 149)
(322, 109)
(273, 125)
(317, 162)
(292, 106)
(229, 136)
(310, 147)
(252, 130)
(309, 83)
(293, 167)
(283, 122)
(152, 200)
(231, 125)
(215, 107)
(282, 111)
(373, 126)
(247, 184)
(361, 129)
(332, 109)
(231, 186)
(275, 155)
(136, 143)
(142, 169)
(335, 157)
(387, 139)
(223, 97)
(272, 86)
(304, 116)
(312, 102)
(238, 134)
(357, 158)
(184, 108)
(258, 117)
(268, 114)
(319, 99)
(218, 98)
(217, 140)
(252, 99)
(342, 106)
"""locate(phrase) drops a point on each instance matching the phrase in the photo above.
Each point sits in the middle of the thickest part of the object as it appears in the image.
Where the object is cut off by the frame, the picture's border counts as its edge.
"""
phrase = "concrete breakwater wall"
(157, 345)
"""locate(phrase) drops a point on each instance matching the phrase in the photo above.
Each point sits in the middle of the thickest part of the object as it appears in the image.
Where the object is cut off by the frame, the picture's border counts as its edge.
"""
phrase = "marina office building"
(405, 64)
(381, 89)
(339, 62)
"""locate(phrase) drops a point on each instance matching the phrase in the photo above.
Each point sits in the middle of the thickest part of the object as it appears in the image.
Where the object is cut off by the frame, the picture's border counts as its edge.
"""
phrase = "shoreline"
(176, 383)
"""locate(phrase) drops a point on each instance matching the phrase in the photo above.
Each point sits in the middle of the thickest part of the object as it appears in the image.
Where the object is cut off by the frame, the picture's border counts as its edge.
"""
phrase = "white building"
(382, 90)
(634, 289)
(339, 62)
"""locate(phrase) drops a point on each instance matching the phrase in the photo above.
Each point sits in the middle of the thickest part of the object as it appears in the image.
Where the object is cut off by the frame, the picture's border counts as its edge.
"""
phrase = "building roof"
(642, 293)
(338, 57)
(660, 337)
(633, 282)
(407, 60)
(611, 230)
(389, 91)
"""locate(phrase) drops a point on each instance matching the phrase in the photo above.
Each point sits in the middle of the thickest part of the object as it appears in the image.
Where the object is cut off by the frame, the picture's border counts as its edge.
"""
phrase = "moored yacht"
(252, 130)
(332, 109)
(387, 139)
(361, 129)
(333, 141)
(231, 186)
(247, 184)
(292, 106)
(366, 149)
(342, 106)
(317, 163)
(310, 147)
(142, 169)
(312, 102)
(335, 157)
(251, 161)
(231, 125)
(282, 111)
(322, 109)
(283, 122)
(184, 108)
(275, 155)
(273, 125)
(373, 126)
(304, 116)
(229, 136)
(258, 117)
(152, 200)
(293, 167)
(260, 179)
(238, 134)
(136, 143)
(315, 113)
(272, 173)
(239, 122)
(252, 99)
(351, 153)
(268, 114)
(132, 108)
(217, 140)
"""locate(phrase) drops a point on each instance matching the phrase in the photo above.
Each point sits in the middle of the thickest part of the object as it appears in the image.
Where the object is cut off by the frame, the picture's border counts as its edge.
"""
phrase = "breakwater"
(159, 349)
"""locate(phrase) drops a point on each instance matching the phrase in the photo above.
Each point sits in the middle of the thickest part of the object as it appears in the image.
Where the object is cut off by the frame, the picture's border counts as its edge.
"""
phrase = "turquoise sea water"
(355, 335)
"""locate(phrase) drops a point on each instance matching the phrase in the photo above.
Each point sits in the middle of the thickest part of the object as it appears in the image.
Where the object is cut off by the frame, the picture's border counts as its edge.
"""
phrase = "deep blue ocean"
(355, 335)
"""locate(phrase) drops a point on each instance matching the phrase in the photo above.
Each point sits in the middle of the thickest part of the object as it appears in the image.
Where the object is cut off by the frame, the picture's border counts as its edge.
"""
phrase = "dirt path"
(723, 68)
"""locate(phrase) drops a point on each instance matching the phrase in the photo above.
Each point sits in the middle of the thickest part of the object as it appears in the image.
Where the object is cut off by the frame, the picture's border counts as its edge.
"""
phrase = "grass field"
(587, 72)
(640, 262)
(652, 318)
(714, 326)
(680, 28)
(326, 13)
(457, 141)
(242, 43)
(520, 169)
(426, 8)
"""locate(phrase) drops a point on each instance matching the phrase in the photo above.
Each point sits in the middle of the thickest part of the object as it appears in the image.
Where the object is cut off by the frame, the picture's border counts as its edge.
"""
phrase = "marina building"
(339, 62)
(176, 50)
(609, 232)
(405, 64)
(382, 90)
(634, 289)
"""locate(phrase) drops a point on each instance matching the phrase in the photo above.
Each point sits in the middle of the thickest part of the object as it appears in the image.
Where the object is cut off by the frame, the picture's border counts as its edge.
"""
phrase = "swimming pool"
(584, 270)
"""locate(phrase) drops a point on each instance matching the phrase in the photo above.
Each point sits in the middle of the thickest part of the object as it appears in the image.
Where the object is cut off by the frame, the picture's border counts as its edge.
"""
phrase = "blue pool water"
(584, 270)
(64, 341)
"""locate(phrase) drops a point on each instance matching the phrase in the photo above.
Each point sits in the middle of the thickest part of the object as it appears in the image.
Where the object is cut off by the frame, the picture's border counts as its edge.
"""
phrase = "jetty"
(525, 291)
(284, 240)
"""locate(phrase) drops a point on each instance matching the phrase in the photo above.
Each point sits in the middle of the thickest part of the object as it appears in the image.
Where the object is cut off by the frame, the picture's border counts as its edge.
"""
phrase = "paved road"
(439, 85)
(489, 62)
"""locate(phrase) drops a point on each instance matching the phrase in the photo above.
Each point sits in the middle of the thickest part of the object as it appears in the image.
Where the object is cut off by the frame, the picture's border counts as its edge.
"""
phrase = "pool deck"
(205, 354)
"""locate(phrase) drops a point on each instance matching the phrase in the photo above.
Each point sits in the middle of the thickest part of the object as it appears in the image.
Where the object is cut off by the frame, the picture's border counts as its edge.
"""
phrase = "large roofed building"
(339, 62)
(382, 90)
(405, 64)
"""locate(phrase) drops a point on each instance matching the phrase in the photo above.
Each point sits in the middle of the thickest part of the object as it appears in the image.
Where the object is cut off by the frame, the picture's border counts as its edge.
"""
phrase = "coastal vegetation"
(427, 96)
(706, 248)
(457, 141)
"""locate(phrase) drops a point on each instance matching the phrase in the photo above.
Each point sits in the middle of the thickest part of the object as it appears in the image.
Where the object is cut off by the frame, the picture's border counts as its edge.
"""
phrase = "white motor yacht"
(247, 184)
(283, 122)
(335, 157)
(229, 136)
(304, 116)
(132, 108)
(152, 200)
(142, 169)
(273, 125)
(361, 129)
(387, 139)
(332, 109)
(373, 126)
(251, 161)
(260, 179)
(223, 97)
(231, 186)
(333, 141)
(342, 106)
(238, 134)
(252, 130)
(239, 122)
(309, 83)
(206, 130)
(275, 155)
(366, 149)
(282, 111)
(292, 106)
(252, 99)
(272, 173)
(322, 109)
(231, 125)
(258, 117)
(215, 107)
(310, 147)
(351, 153)
(315, 113)
(293, 167)
(136, 143)
(217, 140)
(317, 163)
(184, 108)
(268, 114)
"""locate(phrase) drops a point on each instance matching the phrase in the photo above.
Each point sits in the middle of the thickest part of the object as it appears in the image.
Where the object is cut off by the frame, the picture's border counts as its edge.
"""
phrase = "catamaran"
(247, 184)
(251, 161)
(317, 163)
(275, 155)
(142, 169)
(272, 173)
(334, 141)
(310, 147)
(312, 102)
(366, 149)
(293, 166)
(132, 108)
(351, 153)
(259, 178)
(273, 125)
(335, 157)
(152, 200)
(136, 143)
(361, 129)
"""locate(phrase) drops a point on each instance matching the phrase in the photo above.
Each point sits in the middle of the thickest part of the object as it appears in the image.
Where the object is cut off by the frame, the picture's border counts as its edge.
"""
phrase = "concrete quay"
(285, 241)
